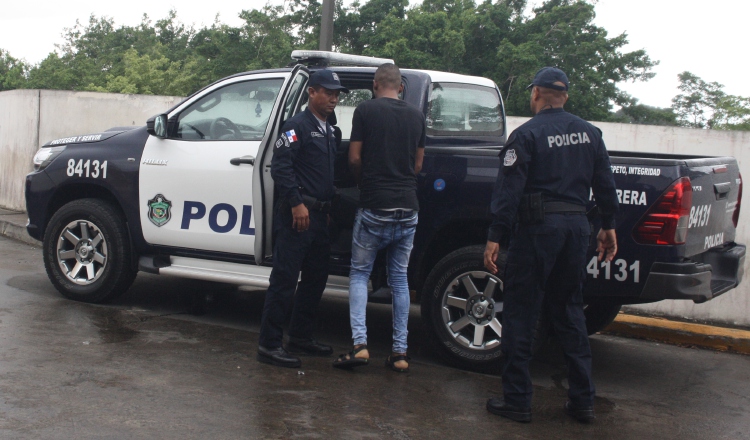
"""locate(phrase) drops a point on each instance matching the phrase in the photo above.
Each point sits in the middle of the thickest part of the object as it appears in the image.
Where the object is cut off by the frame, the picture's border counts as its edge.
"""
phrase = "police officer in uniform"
(547, 169)
(302, 170)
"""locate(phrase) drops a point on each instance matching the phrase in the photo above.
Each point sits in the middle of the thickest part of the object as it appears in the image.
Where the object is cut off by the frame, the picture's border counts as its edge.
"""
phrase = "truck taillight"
(736, 215)
(666, 222)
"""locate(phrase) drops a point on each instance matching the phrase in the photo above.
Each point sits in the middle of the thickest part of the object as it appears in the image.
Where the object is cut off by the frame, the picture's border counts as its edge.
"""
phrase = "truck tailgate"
(675, 227)
(716, 189)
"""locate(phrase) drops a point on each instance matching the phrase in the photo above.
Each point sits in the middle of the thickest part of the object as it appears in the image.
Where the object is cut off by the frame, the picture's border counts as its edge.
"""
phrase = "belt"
(315, 204)
(398, 213)
(563, 207)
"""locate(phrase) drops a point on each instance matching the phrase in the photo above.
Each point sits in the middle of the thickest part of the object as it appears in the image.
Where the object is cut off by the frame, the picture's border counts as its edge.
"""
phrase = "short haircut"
(552, 96)
(389, 76)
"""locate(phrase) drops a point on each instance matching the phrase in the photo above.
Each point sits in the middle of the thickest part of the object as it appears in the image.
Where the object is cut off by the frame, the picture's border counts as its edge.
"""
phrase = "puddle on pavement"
(113, 326)
(34, 284)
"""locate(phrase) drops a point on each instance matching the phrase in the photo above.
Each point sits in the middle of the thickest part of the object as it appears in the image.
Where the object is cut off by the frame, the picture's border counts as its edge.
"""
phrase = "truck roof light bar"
(325, 58)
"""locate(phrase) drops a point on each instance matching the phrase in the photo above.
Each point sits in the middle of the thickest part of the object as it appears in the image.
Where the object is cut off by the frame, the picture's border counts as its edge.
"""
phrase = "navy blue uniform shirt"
(559, 155)
(303, 159)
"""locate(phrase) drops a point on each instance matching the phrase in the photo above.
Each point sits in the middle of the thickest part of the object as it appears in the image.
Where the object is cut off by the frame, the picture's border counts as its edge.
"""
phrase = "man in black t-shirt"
(385, 156)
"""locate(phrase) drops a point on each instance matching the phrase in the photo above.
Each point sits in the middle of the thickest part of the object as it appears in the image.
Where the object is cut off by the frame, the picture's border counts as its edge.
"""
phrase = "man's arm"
(603, 187)
(355, 160)
(490, 256)
(506, 196)
(420, 146)
(418, 160)
(606, 244)
(284, 177)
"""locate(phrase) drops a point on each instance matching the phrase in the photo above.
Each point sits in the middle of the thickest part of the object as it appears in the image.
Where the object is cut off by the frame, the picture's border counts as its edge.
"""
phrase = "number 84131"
(90, 168)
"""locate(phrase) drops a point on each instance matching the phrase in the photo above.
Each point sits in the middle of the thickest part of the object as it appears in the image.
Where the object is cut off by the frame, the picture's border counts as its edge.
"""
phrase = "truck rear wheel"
(87, 253)
(600, 313)
(461, 307)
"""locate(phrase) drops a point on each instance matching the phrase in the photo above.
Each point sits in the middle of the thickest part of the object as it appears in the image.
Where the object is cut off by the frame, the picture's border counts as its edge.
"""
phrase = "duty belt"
(562, 207)
(315, 204)
(398, 213)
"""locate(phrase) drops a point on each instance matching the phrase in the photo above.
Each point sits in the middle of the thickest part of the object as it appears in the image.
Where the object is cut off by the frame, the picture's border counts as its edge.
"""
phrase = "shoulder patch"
(279, 142)
(510, 158)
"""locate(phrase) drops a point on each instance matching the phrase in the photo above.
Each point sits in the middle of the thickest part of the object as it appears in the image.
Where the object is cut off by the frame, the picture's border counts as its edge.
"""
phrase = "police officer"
(547, 169)
(302, 170)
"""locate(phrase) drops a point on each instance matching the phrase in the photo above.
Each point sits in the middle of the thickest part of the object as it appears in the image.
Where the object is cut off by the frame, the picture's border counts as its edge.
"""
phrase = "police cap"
(548, 76)
(327, 79)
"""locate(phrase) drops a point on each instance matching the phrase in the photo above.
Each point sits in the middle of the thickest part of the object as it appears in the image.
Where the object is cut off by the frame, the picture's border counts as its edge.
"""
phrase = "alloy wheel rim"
(82, 252)
(471, 308)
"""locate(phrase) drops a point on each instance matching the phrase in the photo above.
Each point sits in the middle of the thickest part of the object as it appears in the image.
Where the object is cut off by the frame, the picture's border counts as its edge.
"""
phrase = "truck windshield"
(464, 110)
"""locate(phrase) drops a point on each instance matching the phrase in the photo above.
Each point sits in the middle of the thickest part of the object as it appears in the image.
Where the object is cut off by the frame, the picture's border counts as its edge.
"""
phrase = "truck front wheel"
(87, 253)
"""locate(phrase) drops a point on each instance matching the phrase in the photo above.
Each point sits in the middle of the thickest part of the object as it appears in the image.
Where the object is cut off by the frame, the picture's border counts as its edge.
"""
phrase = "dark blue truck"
(190, 195)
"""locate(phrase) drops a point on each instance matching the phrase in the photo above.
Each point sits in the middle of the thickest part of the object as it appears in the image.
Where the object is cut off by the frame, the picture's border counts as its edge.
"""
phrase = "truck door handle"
(244, 159)
(722, 190)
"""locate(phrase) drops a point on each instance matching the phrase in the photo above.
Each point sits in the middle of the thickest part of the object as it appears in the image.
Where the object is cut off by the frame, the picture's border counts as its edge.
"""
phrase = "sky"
(683, 35)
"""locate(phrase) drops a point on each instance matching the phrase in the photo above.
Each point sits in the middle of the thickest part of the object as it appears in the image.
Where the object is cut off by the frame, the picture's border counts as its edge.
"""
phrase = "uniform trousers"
(307, 252)
(546, 266)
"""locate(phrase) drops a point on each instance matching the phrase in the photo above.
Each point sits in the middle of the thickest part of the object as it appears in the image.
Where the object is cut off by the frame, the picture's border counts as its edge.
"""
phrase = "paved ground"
(145, 368)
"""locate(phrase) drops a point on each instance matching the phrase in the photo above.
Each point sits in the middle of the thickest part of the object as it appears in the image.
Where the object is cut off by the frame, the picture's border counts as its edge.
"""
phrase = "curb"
(11, 229)
(680, 333)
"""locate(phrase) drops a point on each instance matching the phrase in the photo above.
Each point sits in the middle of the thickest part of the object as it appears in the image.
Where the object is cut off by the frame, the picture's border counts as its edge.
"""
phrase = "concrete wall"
(734, 306)
(19, 138)
(30, 118)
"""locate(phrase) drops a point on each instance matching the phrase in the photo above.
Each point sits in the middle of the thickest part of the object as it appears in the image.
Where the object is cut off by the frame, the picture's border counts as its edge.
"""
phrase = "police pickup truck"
(190, 194)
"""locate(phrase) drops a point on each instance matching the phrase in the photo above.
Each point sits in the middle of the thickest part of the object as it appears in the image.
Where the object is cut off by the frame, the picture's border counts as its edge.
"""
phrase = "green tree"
(498, 40)
(12, 72)
(634, 113)
(146, 75)
(705, 105)
(54, 72)
(561, 33)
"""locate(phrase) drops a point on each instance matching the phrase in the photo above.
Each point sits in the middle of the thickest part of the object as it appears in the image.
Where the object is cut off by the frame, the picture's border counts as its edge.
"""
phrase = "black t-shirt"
(390, 130)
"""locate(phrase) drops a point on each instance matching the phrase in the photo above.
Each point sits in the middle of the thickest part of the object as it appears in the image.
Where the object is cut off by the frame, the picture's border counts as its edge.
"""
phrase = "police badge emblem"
(159, 210)
(510, 158)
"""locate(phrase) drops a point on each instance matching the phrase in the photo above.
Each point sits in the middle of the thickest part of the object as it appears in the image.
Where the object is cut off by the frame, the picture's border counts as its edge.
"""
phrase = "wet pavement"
(146, 366)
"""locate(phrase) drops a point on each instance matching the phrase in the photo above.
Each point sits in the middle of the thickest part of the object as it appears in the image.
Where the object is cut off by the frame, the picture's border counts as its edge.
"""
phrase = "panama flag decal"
(291, 135)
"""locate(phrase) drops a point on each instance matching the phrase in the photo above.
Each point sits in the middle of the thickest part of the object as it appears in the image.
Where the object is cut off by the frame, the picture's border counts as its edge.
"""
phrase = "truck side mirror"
(157, 126)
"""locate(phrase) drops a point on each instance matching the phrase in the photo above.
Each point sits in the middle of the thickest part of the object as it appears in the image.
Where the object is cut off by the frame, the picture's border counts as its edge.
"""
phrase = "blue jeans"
(371, 234)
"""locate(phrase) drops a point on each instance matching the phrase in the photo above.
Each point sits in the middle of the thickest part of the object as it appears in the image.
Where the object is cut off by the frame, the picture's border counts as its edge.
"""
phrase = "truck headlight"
(45, 155)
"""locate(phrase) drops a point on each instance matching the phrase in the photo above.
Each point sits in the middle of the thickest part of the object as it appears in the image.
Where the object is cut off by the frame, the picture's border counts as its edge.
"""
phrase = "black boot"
(309, 347)
(500, 408)
(583, 414)
(277, 357)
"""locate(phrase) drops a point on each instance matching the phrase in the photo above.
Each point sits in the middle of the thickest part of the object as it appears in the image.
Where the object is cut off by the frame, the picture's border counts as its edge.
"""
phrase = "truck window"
(345, 109)
(239, 111)
(456, 109)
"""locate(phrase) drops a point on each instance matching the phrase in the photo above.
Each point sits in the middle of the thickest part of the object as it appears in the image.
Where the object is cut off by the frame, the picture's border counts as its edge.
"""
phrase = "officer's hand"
(490, 256)
(301, 217)
(606, 244)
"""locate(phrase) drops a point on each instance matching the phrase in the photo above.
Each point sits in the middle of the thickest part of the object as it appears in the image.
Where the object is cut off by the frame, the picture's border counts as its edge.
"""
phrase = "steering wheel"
(222, 126)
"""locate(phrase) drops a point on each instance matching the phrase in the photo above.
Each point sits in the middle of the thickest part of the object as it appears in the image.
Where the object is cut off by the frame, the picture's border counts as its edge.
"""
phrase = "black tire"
(446, 303)
(599, 314)
(87, 253)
